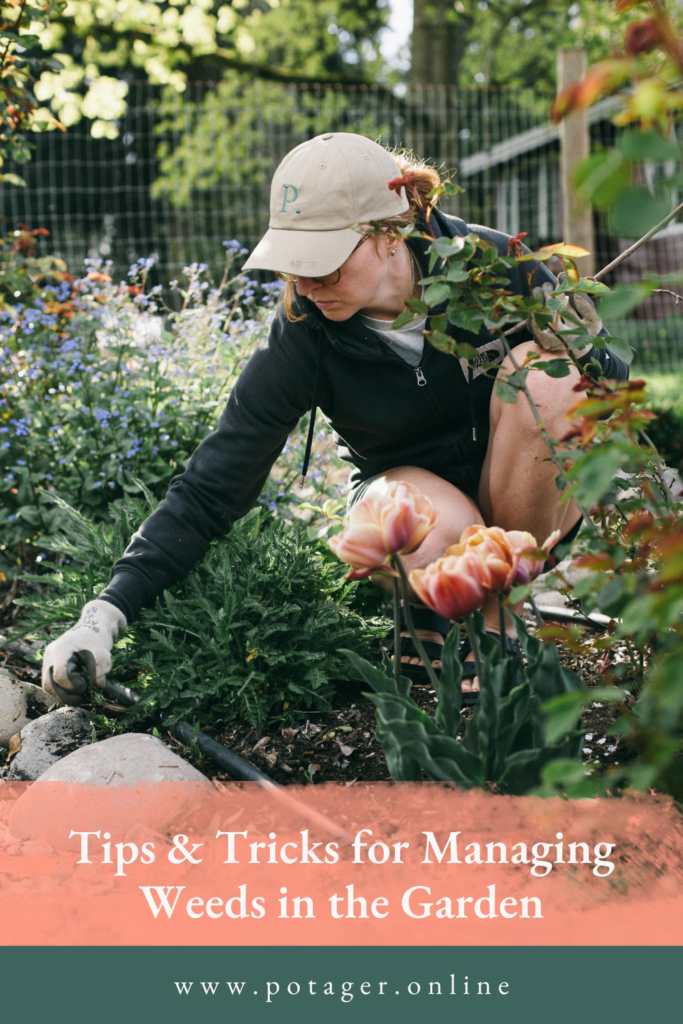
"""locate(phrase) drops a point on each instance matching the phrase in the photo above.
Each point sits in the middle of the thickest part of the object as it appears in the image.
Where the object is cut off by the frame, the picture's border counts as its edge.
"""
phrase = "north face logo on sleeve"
(491, 352)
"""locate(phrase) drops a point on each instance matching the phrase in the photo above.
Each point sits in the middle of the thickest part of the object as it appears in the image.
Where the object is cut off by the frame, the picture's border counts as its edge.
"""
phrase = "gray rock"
(48, 739)
(117, 796)
(13, 706)
(123, 760)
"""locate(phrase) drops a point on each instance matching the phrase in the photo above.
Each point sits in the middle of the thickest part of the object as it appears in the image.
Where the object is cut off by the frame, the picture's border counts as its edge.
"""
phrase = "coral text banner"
(387, 865)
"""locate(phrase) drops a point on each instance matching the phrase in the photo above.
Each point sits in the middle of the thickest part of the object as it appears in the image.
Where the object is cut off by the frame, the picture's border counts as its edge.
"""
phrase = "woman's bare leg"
(517, 489)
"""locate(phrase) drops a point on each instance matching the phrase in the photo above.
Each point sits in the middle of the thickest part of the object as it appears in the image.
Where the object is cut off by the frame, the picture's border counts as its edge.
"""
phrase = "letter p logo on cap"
(286, 199)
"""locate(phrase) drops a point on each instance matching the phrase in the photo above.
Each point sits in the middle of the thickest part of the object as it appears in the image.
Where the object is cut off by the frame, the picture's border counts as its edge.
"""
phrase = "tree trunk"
(438, 42)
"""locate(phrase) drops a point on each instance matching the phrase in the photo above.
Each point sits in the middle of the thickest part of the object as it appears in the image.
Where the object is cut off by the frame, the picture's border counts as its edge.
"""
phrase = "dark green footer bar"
(300, 984)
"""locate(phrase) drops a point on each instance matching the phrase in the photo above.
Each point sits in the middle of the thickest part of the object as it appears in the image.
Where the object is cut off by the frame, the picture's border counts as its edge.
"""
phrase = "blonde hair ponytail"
(425, 178)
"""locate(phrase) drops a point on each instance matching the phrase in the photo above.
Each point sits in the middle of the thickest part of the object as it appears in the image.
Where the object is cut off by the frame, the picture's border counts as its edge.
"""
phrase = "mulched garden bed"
(340, 745)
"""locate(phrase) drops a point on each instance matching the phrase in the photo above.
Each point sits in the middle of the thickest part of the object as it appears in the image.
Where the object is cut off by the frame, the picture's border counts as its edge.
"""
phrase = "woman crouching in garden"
(401, 410)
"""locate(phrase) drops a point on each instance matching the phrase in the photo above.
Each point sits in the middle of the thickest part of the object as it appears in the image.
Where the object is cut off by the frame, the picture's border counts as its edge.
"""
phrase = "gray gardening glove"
(87, 645)
(580, 307)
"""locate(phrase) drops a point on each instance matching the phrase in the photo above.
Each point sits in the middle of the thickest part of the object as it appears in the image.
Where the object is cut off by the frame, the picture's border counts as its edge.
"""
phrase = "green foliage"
(633, 527)
(666, 431)
(103, 46)
(636, 182)
(514, 45)
(19, 67)
(505, 744)
(624, 298)
(252, 631)
(607, 180)
(634, 549)
(95, 392)
(502, 43)
(471, 283)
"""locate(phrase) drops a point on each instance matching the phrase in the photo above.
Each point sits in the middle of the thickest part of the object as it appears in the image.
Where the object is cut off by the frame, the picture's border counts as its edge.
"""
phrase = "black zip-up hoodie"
(381, 411)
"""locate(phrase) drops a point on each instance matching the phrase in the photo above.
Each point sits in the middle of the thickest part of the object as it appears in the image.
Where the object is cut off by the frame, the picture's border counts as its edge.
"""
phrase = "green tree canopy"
(106, 43)
(506, 42)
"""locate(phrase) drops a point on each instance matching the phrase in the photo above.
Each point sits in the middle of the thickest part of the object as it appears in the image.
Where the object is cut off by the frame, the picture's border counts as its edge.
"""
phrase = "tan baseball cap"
(319, 190)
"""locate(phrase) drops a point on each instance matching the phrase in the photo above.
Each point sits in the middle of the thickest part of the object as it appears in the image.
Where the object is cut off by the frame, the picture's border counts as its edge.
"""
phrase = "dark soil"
(340, 745)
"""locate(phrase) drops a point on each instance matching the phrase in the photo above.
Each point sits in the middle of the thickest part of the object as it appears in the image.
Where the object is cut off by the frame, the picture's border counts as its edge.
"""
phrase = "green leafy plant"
(253, 631)
(666, 431)
(504, 745)
(634, 551)
(625, 181)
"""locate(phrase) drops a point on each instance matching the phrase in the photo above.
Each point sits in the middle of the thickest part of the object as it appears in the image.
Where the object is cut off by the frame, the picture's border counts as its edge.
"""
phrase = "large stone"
(48, 739)
(125, 785)
(133, 757)
(13, 707)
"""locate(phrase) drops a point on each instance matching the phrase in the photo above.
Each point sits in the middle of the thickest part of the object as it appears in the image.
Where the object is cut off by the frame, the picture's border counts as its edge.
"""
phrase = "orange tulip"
(454, 585)
(492, 545)
(383, 525)
(508, 554)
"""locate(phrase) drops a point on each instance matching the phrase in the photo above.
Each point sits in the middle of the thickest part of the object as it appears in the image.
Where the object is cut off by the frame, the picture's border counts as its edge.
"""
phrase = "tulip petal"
(452, 586)
(382, 525)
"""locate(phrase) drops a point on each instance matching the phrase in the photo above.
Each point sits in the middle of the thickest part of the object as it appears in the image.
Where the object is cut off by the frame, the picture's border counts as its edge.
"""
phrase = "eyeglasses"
(328, 279)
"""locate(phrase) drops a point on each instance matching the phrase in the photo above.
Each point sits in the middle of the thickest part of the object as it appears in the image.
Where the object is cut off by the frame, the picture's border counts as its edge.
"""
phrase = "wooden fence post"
(577, 217)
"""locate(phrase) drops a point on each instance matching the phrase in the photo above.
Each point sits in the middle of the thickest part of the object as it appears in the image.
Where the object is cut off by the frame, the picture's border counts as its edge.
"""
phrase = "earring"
(393, 252)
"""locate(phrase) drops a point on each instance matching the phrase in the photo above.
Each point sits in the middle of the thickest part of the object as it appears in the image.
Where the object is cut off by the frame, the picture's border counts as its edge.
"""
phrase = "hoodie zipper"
(421, 379)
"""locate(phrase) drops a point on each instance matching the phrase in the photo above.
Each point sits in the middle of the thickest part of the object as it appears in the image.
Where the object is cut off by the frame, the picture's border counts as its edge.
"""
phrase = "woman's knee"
(440, 492)
(456, 510)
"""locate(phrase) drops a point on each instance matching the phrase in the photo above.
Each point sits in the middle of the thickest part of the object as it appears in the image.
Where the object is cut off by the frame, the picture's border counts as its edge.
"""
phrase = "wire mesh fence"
(191, 170)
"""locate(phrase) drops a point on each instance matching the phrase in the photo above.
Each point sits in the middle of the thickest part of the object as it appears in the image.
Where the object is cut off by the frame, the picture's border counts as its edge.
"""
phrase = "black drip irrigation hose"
(561, 614)
(236, 766)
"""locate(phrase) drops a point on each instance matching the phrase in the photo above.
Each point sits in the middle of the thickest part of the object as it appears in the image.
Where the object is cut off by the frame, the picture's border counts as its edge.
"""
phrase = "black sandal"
(469, 669)
(423, 618)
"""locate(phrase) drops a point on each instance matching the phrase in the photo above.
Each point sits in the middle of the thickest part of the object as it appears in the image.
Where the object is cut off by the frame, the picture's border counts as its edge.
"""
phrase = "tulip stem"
(501, 622)
(397, 634)
(396, 560)
(474, 644)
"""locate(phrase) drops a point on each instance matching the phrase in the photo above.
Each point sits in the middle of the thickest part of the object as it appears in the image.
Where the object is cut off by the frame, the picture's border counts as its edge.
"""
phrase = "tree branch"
(667, 291)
